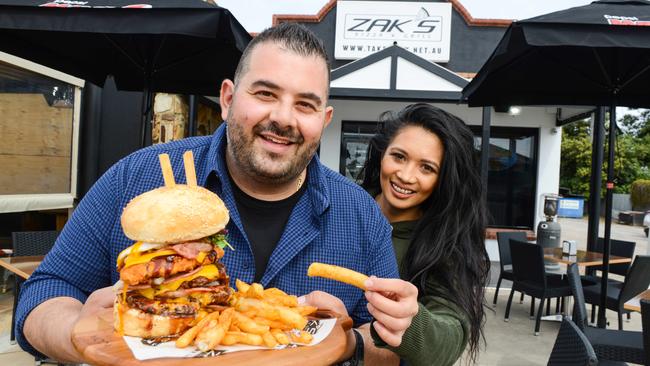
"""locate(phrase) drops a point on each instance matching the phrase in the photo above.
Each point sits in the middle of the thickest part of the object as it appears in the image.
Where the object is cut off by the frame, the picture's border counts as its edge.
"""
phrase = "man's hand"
(393, 303)
(48, 328)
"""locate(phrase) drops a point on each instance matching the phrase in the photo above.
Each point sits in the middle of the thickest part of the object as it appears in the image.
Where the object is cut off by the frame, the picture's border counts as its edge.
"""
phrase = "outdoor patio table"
(583, 258)
(23, 267)
(634, 304)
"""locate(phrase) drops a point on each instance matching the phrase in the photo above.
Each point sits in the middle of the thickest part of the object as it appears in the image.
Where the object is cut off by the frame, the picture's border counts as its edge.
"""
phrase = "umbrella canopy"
(597, 54)
(178, 46)
(589, 55)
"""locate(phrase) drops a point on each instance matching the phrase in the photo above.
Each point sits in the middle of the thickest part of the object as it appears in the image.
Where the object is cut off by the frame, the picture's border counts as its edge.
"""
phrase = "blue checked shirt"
(335, 222)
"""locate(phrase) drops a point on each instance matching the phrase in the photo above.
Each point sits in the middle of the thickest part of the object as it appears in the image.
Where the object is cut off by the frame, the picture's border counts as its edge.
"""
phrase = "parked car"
(646, 223)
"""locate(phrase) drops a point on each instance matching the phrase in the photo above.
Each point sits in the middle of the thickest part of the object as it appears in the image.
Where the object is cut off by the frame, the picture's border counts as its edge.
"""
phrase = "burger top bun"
(174, 214)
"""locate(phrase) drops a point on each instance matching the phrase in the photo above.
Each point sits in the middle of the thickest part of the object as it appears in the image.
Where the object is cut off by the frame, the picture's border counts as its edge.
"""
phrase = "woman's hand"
(393, 303)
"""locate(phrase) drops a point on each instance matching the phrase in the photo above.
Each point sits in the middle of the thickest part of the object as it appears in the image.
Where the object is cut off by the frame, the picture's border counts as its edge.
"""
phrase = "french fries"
(338, 274)
(256, 316)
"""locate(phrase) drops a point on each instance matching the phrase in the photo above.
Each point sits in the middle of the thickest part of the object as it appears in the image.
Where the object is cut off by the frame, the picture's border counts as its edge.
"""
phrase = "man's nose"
(283, 114)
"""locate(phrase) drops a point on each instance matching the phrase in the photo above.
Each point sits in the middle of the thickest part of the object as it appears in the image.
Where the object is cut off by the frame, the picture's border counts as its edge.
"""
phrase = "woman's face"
(409, 172)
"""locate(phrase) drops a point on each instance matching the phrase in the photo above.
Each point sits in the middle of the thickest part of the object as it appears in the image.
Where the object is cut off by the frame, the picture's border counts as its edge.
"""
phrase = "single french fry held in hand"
(189, 335)
(337, 273)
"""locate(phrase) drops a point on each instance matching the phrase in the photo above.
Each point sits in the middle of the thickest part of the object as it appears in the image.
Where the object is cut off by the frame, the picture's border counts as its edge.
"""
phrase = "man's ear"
(329, 113)
(225, 97)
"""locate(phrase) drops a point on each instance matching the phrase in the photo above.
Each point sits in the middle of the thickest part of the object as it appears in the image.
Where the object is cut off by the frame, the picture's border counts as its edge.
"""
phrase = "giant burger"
(172, 272)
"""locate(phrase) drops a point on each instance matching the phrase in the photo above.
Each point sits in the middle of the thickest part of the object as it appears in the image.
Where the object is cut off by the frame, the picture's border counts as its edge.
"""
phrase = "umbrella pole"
(602, 319)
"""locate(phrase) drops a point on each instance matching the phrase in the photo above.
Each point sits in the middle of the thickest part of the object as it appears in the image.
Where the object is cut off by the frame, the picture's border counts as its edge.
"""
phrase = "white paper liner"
(143, 350)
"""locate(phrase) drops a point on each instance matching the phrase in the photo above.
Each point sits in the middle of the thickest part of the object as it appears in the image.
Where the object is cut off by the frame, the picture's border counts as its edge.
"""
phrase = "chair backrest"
(33, 242)
(645, 324)
(579, 307)
(621, 248)
(572, 347)
(503, 240)
(637, 279)
(528, 262)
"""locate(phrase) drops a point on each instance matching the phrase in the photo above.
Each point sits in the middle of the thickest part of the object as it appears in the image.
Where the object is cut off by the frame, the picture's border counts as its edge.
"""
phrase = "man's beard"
(257, 166)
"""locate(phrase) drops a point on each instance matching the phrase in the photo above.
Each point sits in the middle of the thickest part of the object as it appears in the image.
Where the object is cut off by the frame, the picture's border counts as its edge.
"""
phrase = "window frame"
(48, 201)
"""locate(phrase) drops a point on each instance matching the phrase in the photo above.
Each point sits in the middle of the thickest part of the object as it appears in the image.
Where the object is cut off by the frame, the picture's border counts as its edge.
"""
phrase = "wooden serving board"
(95, 339)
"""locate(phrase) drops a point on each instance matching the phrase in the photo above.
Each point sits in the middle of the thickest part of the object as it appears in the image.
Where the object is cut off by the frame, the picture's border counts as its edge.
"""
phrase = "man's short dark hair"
(294, 37)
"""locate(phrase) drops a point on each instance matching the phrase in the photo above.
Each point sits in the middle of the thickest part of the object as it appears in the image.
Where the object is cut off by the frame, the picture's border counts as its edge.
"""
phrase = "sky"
(255, 15)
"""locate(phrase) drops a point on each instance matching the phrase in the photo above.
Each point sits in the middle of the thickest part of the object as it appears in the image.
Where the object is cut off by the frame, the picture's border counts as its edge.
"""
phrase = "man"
(287, 210)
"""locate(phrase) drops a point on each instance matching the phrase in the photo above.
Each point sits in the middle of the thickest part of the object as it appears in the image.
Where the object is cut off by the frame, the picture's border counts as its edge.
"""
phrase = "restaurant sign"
(365, 27)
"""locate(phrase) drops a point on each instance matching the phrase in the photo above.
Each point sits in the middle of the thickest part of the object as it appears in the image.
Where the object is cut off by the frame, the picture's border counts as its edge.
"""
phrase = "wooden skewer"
(167, 172)
(190, 172)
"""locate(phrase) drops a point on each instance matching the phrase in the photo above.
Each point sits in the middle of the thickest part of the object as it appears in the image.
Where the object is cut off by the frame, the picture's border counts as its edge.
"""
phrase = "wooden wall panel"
(36, 145)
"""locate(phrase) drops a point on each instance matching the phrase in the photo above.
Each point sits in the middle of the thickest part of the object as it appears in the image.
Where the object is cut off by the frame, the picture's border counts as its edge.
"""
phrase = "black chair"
(505, 260)
(621, 248)
(636, 281)
(645, 324)
(609, 344)
(530, 277)
(28, 243)
(571, 347)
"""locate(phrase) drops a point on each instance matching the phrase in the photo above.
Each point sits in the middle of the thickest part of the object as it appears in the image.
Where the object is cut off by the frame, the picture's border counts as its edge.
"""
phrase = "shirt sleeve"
(437, 336)
(381, 262)
(79, 263)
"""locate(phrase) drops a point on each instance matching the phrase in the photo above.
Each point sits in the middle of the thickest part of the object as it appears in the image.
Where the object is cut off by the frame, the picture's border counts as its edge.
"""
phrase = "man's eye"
(306, 105)
(264, 93)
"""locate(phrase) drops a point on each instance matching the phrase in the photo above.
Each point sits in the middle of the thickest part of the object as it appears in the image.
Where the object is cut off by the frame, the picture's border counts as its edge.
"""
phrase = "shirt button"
(245, 266)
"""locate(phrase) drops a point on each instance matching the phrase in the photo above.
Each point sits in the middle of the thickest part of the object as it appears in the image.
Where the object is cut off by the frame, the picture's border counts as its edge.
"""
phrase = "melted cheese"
(137, 258)
(201, 257)
(210, 272)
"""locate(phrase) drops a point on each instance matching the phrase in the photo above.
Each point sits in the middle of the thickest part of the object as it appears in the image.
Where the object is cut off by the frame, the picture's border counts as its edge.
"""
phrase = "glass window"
(355, 138)
(512, 176)
(36, 125)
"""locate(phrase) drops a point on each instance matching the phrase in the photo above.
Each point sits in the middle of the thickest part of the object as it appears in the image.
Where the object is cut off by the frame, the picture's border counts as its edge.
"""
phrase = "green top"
(439, 332)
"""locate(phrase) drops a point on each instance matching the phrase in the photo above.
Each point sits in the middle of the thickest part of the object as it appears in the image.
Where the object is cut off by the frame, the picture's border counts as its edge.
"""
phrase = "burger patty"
(218, 295)
(163, 308)
(162, 267)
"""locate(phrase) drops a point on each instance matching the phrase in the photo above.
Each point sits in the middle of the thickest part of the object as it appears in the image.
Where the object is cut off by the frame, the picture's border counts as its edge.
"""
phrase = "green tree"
(631, 157)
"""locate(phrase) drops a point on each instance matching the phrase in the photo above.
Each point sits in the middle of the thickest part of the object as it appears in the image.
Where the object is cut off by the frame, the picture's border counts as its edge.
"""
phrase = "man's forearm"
(48, 328)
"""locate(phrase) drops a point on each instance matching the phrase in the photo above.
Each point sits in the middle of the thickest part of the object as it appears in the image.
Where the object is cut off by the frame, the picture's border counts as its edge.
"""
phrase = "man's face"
(276, 114)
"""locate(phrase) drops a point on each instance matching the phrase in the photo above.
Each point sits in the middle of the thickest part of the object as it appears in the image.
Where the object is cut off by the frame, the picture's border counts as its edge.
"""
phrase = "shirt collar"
(317, 188)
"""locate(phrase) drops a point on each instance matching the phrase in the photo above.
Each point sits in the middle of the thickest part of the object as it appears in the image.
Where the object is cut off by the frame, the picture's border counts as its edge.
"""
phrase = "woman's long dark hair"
(448, 243)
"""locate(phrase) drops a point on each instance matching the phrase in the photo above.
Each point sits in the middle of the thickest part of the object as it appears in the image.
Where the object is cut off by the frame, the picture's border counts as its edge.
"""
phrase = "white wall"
(543, 118)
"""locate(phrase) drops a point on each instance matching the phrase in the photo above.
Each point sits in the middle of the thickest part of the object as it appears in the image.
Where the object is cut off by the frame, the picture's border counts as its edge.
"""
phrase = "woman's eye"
(397, 156)
(429, 169)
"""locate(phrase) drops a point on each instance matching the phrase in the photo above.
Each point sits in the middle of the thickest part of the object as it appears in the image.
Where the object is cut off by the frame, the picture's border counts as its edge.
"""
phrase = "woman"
(421, 170)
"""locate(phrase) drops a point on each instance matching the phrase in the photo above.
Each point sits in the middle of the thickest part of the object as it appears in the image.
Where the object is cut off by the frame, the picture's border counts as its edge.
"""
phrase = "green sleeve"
(437, 336)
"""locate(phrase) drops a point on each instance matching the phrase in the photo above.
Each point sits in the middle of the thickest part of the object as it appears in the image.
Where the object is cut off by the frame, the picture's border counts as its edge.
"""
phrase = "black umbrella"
(176, 46)
(596, 55)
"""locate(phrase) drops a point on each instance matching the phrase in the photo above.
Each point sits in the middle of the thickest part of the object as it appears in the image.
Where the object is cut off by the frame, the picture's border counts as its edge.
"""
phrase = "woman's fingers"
(389, 337)
(391, 323)
(395, 286)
